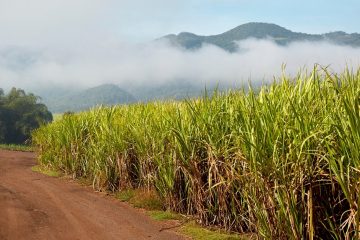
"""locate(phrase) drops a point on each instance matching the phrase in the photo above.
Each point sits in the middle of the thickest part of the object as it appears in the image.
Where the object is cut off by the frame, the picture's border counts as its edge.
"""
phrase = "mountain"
(107, 94)
(173, 89)
(278, 34)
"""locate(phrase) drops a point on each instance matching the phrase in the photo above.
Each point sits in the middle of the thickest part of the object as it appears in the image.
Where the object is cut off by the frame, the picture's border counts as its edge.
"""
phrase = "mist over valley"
(77, 77)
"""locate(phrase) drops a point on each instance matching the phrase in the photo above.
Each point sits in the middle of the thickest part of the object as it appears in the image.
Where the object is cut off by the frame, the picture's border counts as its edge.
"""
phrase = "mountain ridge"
(105, 94)
(259, 30)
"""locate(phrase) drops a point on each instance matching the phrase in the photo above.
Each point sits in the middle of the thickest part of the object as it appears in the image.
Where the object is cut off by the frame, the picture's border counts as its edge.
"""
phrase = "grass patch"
(45, 171)
(139, 198)
(125, 195)
(164, 215)
(150, 202)
(15, 147)
(197, 232)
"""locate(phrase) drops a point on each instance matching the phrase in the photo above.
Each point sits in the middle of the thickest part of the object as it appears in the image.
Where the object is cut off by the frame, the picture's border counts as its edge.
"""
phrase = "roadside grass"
(165, 215)
(125, 196)
(149, 201)
(15, 147)
(45, 171)
(197, 232)
(139, 198)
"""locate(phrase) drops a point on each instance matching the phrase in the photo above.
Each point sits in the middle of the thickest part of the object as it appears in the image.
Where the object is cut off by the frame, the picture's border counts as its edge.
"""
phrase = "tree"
(2, 117)
(20, 114)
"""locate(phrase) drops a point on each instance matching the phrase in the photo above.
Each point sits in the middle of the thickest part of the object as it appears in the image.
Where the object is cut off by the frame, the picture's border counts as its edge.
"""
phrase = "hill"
(107, 94)
(280, 35)
(173, 89)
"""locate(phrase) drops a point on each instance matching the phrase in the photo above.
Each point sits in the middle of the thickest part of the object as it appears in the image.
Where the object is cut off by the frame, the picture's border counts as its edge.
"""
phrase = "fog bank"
(156, 63)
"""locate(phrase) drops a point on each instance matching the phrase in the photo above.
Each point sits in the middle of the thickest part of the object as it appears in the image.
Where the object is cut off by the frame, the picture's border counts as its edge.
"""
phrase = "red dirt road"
(34, 206)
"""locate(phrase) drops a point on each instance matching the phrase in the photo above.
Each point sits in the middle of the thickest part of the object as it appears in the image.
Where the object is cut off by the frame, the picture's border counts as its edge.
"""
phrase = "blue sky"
(216, 16)
(308, 16)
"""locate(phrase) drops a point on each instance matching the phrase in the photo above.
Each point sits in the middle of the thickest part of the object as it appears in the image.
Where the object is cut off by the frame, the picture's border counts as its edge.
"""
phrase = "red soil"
(35, 206)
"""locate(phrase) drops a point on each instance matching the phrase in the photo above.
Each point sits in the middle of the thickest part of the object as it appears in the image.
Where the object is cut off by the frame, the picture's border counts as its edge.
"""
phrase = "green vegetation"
(141, 199)
(150, 202)
(164, 215)
(16, 147)
(197, 232)
(125, 195)
(281, 163)
(57, 116)
(45, 171)
(20, 114)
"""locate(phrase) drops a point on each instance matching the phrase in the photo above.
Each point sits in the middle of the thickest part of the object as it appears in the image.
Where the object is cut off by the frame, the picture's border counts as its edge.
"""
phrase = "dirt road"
(34, 206)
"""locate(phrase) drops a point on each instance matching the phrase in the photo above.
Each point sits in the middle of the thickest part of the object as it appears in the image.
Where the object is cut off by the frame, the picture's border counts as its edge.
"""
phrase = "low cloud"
(156, 63)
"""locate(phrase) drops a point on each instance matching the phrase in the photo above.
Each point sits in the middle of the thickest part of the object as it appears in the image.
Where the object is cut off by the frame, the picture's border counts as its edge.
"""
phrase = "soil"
(35, 206)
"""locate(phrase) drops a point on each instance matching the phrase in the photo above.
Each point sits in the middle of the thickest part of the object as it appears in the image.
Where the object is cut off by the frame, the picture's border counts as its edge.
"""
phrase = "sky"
(23, 21)
(92, 42)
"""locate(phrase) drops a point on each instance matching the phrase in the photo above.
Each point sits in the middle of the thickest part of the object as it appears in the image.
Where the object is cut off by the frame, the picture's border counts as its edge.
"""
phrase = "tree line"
(20, 114)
